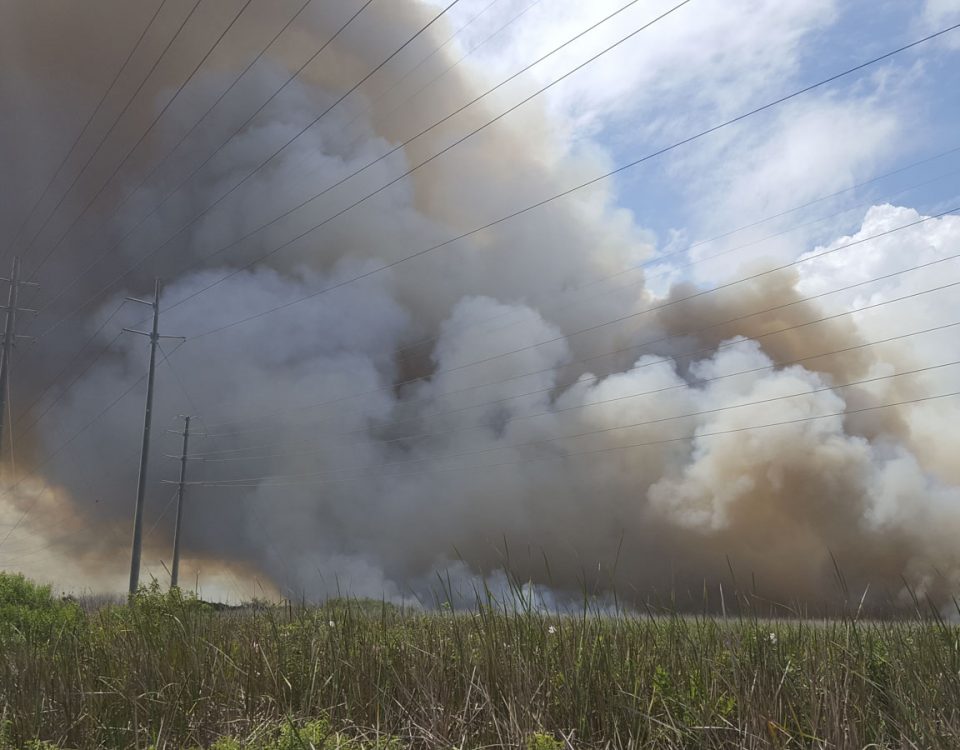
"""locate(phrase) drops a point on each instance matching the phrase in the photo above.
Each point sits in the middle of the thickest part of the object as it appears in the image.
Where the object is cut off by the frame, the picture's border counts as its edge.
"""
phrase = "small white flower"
(332, 624)
(773, 638)
(551, 630)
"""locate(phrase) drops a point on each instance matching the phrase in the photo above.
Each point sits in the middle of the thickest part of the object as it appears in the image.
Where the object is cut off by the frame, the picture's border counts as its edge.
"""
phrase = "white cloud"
(809, 150)
(712, 55)
(940, 12)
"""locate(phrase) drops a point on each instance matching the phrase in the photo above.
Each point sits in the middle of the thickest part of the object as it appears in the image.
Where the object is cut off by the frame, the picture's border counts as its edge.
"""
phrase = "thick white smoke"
(376, 456)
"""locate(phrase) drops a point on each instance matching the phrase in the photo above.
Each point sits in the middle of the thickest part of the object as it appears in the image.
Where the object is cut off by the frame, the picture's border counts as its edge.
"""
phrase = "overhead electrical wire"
(83, 131)
(657, 260)
(259, 483)
(796, 93)
(393, 181)
(259, 480)
(45, 461)
(132, 150)
(635, 349)
(249, 119)
(55, 325)
(530, 207)
(726, 322)
(113, 126)
(272, 156)
(93, 337)
(344, 96)
(936, 34)
(563, 301)
(136, 189)
(218, 456)
(652, 308)
(639, 347)
(61, 320)
(668, 303)
(400, 105)
(545, 201)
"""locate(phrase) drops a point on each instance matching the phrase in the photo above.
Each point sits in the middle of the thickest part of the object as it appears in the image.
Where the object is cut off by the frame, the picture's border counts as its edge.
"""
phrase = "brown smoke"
(471, 470)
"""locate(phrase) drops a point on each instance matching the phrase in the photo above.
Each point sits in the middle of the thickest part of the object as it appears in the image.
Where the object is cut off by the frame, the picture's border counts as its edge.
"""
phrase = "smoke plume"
(351, 441)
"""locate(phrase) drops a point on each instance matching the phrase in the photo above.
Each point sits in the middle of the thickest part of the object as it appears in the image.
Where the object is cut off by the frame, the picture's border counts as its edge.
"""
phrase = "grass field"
(172, 672)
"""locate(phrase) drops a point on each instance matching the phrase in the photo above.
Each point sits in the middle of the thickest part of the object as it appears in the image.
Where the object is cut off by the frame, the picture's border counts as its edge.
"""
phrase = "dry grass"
(170, 672)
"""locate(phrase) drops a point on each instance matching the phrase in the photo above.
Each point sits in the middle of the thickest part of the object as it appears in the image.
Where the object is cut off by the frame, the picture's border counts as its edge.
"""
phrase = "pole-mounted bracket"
(141, 301)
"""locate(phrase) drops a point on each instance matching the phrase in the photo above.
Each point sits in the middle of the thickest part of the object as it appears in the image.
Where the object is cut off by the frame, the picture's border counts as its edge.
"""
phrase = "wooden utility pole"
(10, 337)
(175, 568)
(154, 337)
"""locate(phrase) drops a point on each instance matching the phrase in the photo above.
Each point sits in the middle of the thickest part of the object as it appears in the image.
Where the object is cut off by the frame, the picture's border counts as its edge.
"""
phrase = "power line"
(63, 370)
(183, 138)
(186, 394)
(141, 139)
(83, 130)
(553, 302)
(423, 132)
(654, 261)
(269, 254)
(256, 169)
(530, 207)
(150, 174)
(202, 118)
(340, 99)
(527, 208)
(911, 45)
(67, 443)
(206, 456)
(628, 316)
(61, 320)
(257, 481)
(641, 312)
(116, 121)
(639, 347)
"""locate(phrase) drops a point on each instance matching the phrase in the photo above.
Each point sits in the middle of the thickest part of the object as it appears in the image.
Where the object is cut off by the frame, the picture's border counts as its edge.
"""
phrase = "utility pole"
(10, 336)
(175, 568)
(154, 337)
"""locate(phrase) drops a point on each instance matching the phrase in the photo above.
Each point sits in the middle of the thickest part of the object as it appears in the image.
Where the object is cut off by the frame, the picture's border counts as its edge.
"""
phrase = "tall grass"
(171, 672)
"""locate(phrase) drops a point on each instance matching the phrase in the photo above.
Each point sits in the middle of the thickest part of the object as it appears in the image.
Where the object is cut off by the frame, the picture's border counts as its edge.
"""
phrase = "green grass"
(172, 672)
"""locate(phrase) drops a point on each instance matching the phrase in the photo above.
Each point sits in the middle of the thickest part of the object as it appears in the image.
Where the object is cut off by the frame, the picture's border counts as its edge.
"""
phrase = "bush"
(30, 613)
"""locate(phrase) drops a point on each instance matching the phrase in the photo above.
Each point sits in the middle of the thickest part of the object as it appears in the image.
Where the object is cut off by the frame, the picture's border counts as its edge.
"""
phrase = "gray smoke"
(375, 456)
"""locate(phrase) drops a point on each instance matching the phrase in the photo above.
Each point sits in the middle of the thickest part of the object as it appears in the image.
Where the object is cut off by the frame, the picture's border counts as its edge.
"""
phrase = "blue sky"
(709, 61)
(919, 90)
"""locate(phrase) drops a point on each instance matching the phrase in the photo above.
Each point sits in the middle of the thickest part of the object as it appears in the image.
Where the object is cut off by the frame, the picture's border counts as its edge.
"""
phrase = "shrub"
(30, 613)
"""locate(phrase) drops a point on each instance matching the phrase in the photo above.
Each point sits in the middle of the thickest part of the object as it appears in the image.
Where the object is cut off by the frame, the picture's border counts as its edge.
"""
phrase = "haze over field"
(559, 393)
